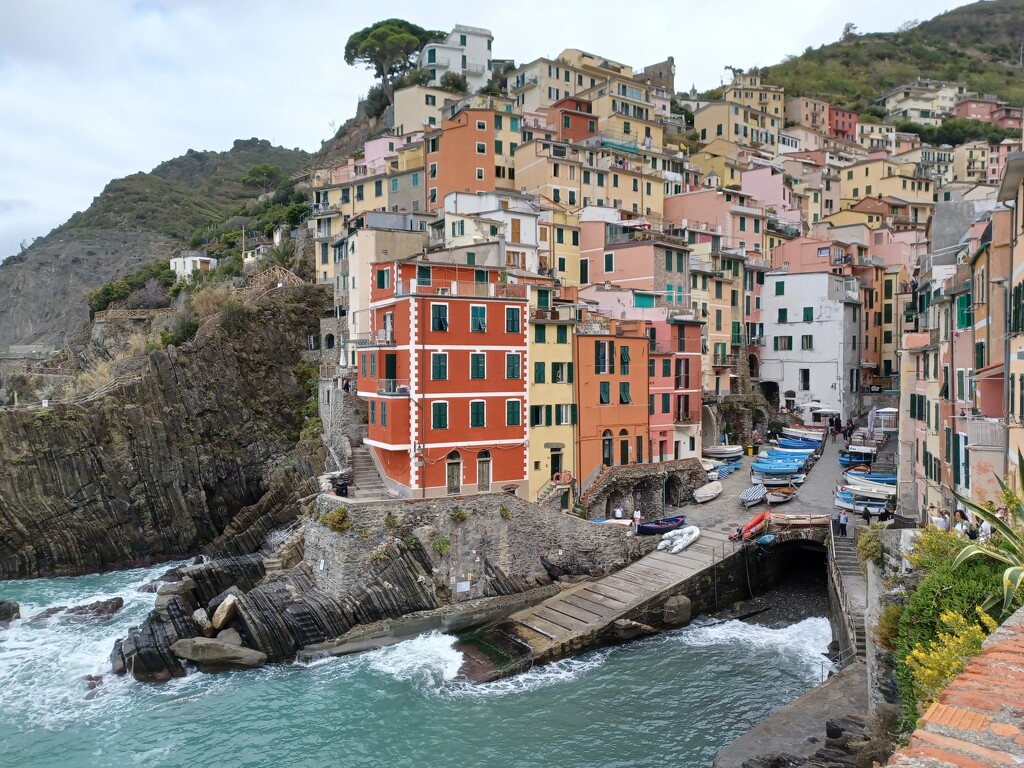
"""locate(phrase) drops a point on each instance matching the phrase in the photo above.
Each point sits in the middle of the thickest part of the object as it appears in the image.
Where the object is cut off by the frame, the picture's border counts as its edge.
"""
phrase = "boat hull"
(665, 524)
(724, 451)
(780, 495)
(707, 492)
(801, 521)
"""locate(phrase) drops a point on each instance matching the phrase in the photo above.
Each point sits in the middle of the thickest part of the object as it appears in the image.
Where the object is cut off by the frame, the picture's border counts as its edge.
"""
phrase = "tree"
(264, 177)
(282, 255)
(454, 83)
(849, 32)
(388, 49)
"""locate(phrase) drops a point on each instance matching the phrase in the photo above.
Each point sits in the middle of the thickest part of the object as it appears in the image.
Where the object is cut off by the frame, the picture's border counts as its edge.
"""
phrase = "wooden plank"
(556, 631)
(612, 590)
(605, 596)
(632, 584)
(584, 604)
(577, 614)
(551, 616)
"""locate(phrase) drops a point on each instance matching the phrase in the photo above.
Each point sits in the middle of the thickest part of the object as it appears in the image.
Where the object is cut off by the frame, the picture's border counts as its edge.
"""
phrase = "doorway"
(483, 471)
(454, 475)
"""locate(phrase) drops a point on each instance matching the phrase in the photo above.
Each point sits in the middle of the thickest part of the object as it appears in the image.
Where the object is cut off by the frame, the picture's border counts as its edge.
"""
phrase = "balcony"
(393, 387)
(323, 235)
(552, 315)
(686, 417)
(659, 347)
(723, 361)
(322, 209)
(379, 338)
(465, 289)
(476, 69)
(752, 263)
(747, 210)
(987, 432)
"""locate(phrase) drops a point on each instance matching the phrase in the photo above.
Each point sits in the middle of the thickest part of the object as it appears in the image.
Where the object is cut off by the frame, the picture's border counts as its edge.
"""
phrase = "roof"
(1013, 177)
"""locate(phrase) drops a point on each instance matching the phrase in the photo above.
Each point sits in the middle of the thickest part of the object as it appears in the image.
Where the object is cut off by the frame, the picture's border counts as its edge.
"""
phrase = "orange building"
(573, 118)
(444, 377)
(611, 394)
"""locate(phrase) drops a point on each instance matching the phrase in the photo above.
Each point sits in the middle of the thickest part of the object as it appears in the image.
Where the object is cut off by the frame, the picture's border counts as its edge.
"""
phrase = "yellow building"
(874, 136)
(737, 123)
(416, 108)
(625, 112)
(749, 91)
(970, 162)
(542, 82)
(560, 234)
(1012, 190)
(871, 178)
(895, 297)
(550, 400)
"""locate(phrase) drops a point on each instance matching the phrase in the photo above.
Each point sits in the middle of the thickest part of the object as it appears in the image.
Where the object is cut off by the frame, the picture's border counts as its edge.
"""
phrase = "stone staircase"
(848, 564)
(365, 477)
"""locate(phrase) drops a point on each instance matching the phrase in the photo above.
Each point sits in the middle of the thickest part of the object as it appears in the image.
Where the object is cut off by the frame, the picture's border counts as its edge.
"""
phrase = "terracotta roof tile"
(956, 717)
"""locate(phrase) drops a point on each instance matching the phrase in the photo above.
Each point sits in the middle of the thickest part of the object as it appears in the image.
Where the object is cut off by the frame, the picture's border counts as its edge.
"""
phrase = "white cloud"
(98, 90)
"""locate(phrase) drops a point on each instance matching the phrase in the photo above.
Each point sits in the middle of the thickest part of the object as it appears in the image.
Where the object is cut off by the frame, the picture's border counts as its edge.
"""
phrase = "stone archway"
(755, 366)
(708, 426)
(674, 490)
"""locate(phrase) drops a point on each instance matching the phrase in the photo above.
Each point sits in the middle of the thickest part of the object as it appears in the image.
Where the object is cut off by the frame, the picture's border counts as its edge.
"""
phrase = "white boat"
(778, 480)
(854, 504)
(801, 521)
(795, 451)
(711, 468)
(886, 489)
(723, 451)
(805, 433)
(861, 448)
(707, 492)
(686, 537)
(781, 495)
(863, 491)
(753, 495)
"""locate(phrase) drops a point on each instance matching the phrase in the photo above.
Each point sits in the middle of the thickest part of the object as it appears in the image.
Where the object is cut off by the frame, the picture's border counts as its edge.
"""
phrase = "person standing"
(984, 531)
(636, 519)
(618, 512)
(843, 520)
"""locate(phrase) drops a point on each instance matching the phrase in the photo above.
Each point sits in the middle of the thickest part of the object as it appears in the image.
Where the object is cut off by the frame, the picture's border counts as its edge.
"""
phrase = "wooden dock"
(572, 619)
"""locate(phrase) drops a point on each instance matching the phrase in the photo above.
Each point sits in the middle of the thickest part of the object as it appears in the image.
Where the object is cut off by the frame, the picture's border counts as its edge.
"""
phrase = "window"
(481, 125)
(780, 287)
(538, 373)
(666, 403)
(439, 366)
(783, 343)
(439, 415)
(481, 148)
(783, 315)
(513, 322)
(362, 364)
(378, 188)
(477, 318)
(373, 411)
(512, 366)
(373, 366)
(853, 342)
(477, 365)
(805, 379)
(562, 334)
(513, 413)
(439, 317)
(605, 396)
(609, 262)
(384, 413)
(477, 409)
(808, 314)
(479, 174)
(807, 342)
(540, 333)
(718, 319)
(383, 278)
(624, 360)
(666, 367)
(624, 398)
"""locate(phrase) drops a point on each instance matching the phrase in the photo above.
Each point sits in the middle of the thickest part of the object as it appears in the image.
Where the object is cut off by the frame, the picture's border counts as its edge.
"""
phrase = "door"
(515, 231)
(556, 462)
(391, 366)
(483, 471)
(624, 451)
(454, 484)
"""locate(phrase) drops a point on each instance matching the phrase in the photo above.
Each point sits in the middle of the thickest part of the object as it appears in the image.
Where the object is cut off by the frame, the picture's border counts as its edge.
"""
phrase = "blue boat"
(776, 469)
(792, 442)
(875, 477)
(853, 459)
(654, 527)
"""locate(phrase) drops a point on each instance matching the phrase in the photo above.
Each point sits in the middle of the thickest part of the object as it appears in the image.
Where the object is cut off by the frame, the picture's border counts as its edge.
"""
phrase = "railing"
(553, 314)
(686, 417)
(723, 361)
(393, 387)
(475, 68)
(753, 263)
(459, 288)
(659, 347)
(379, 338)
(640, 235)
(320, 209)
(323, 235)
(746, 209)
(439, 61)
(986, 431)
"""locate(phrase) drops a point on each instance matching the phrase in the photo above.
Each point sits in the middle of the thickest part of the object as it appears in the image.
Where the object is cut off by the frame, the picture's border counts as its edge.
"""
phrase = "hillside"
(977, 43)
(135, 220)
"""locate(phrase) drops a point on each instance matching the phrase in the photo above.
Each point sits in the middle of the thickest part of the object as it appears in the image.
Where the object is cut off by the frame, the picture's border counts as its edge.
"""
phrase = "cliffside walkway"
(572, 619)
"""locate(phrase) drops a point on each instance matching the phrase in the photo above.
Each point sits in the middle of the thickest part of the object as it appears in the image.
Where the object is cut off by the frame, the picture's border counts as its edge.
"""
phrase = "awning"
(992, 372)
(868, 364)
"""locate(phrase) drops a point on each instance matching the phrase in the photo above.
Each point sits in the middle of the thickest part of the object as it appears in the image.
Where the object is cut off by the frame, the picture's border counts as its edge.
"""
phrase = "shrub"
(442, 545)
(390, 522)
(210, 301)
(869, 545)
(99, 375)
(411, 542)
(233, 316)
(184, 328)
(337, 520)
(505, 513)
(888, 626)
(379, 556)
(459, 515)
(934, 664)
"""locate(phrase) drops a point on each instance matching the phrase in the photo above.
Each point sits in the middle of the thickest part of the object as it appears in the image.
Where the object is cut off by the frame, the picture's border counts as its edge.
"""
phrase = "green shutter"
(572, 413)
(605, 392)
(808, 314)
(512, 410)
(538, 373)
(624, 397)
(562, 334)
(547, 415)
(568, 372)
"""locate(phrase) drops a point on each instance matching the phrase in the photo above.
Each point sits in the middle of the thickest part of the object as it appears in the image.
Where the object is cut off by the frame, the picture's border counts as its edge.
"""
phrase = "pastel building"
(465, 51)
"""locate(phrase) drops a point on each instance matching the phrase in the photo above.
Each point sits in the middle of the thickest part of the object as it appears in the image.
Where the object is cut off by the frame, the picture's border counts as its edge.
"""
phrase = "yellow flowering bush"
(934, 664)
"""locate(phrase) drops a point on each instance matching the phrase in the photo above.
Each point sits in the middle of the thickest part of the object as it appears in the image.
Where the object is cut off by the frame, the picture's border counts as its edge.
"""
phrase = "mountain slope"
(134, 221)
(977, 43)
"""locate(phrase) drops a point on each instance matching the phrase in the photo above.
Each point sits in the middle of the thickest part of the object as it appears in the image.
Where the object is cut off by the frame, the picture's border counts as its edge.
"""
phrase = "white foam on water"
(543, 676)
(429, 658)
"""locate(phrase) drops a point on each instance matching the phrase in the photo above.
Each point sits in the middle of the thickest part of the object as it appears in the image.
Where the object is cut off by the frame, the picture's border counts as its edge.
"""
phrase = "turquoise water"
(672, 700)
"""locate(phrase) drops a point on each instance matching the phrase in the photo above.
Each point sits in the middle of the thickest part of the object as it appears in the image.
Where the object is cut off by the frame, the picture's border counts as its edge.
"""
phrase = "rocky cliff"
(197, 454)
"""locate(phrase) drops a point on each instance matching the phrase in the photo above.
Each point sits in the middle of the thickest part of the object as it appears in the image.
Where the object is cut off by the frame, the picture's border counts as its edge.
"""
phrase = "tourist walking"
(636, 519)
(843, 520)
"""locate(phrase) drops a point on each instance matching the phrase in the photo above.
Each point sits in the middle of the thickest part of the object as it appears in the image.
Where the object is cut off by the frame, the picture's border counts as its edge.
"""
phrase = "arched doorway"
(483, 471)
(674, 491)
(770, 392)
(606, 448)
(453, 485)
(329, 341)
(708, 426)
(623, 447)
(755, 366)
(790, 396)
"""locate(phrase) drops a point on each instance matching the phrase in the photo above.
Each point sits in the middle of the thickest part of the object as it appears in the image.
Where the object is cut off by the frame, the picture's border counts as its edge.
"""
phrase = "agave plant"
(1007, 548)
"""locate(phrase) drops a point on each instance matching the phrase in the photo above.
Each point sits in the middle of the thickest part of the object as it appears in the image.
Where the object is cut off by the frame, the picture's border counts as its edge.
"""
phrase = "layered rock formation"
(198, 454)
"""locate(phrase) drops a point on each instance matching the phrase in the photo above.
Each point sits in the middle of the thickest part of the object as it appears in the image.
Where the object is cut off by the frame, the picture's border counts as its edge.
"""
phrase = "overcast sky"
(91, 91)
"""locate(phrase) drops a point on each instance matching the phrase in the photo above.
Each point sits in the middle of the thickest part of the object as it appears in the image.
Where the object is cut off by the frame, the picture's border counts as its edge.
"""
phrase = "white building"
(466, 51)
(813, 339)
(192, 261)
(519, 215)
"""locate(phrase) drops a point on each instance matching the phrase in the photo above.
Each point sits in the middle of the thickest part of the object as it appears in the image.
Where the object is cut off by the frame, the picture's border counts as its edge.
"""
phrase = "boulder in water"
(225, 612)
(215, 602)
(117, 665)
(146, 651)
(677, 612)
(214, 655)
(229, 636)
(151, 587)
(9, 611)
(101, 609)
(182, 589)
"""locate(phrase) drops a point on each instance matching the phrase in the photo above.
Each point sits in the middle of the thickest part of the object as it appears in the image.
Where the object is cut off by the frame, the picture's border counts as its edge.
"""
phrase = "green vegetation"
(185, 327)
(390, 522)
(869, 545)
(264, 177)
(957, 130)
(389, 49)
(505, 513)
(454, 83)
(459, 515)
(337, 520)
(976, 43)
(134, 284)
(442, 545)
(942, 588)
(935, 663)
(888, 625)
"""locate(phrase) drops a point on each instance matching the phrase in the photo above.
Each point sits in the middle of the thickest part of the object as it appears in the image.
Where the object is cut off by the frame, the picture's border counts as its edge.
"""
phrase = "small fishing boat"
(781, 495)
(801, 521)
(711, 468)
(859, 468)
(864, 491)
(665, 524)
(803, 445)
(848, 459)
(707, 492)
(753, 495)
(855, 477)
(723, 451)
(775, 468)
(847, 500)
(686, 537)
(753, 527)
(815, 434)
(862, 448)
(778, 480)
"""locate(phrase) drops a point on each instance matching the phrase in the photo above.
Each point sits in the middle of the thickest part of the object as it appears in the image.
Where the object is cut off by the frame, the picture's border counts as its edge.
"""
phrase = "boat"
(861, 448)
(793, 453)
(793, 442)
(665, 524)
(848, 459)
(724, 451)
(778, 480)
(775, 468)
(711, 468)
(707, 492)
(753, 527)
(859, 468)
(753, 495)
(814, 434)
(855, 477)
(847, 500)
(801, 521)
(869, 492)
(781, 495)
(686, 537)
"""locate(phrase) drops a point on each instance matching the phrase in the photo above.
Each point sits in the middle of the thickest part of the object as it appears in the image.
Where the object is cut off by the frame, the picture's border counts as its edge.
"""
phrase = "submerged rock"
(214, 655)
(100, 610)
(9, 611)
(146, 652)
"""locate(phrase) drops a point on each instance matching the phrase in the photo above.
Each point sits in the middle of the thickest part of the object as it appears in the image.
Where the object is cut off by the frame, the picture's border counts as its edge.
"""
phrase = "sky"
(91, 91)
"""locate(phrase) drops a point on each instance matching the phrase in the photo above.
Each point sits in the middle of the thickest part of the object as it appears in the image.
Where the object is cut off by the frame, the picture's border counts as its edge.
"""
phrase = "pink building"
(842, 123)
(739, 217)
(997, 154)
(768, 186)
(988, 109)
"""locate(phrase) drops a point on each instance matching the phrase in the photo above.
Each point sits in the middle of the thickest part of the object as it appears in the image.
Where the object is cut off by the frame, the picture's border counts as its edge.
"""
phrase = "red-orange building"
(573, 118)
(611, 394)
(444, 377)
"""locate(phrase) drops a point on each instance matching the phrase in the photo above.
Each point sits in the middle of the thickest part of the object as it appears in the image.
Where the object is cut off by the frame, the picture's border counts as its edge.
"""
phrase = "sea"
(674, 699)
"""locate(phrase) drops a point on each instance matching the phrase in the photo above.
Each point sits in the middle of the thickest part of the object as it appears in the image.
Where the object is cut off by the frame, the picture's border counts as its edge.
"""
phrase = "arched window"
(606, 448)
(329, 341)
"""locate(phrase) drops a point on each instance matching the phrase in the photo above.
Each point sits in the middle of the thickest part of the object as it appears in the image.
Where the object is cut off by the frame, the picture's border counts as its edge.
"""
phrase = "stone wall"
(642, 485)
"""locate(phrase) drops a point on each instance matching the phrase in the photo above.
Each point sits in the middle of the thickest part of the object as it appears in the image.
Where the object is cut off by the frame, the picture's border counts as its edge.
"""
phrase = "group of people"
(961, 525)
(836, 428)
(637, 516)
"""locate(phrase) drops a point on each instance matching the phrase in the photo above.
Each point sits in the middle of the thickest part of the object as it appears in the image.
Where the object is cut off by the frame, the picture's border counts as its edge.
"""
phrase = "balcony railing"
(753, 263)
(659, 347)
(323, 234)
(746, 209)
(553, 314)
(459, 288)
(723, 361)
(686, 417)
(378, 338)
(393, 387)
(322, 209)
